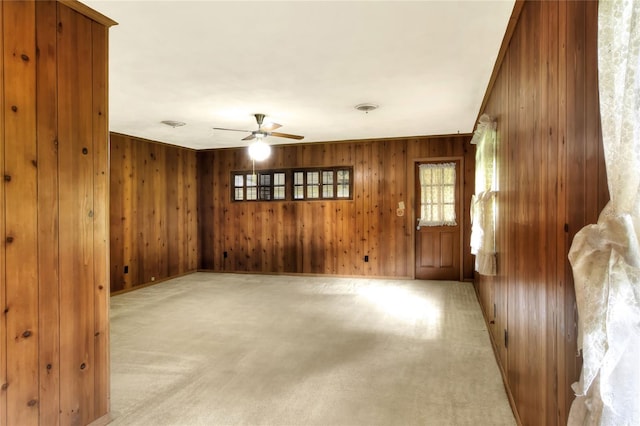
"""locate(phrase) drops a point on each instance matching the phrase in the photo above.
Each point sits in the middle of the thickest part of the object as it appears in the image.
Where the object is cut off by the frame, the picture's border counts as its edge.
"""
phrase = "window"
(437, 194)
(330, 183)
(483, 202)
(261, 186)
(325, 183)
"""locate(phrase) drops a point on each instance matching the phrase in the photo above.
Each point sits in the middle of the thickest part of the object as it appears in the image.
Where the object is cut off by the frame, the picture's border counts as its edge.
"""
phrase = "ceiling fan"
(263, 131)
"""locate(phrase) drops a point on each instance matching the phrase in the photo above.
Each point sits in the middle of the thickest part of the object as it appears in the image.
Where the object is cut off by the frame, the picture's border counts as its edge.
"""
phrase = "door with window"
(439, 219)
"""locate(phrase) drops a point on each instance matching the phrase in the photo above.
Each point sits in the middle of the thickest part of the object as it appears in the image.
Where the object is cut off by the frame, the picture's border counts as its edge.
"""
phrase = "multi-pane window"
(437, 194)
(261, 186)
(326, 183)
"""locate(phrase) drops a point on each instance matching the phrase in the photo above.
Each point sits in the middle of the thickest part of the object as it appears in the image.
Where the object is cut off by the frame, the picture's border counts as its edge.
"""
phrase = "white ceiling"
(305, 64)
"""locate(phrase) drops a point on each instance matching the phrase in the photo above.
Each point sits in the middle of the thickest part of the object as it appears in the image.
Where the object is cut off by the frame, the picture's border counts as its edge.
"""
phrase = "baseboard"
(303, 274)
(494, 346)
(149, 284)
(102, 421)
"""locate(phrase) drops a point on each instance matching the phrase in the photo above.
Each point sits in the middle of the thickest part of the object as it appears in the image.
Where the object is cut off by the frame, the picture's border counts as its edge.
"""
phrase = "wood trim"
(506, 40)
(149, 284)
(102, 421)
(301, 274)
(496, 353)
(350, 141)
(166, 144)
(90, 13)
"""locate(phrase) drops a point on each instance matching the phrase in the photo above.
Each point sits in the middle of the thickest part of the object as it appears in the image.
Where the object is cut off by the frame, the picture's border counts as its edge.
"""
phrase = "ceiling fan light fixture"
(259, 150)
(174, 123)
(366, 107)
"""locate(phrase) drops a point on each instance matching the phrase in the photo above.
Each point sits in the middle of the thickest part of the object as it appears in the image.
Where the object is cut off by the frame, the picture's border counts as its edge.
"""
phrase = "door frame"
(412, 197)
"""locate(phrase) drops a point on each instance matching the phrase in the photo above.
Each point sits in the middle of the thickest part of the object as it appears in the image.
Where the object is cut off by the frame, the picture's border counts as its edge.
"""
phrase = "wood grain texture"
(53, 192)
(100, 130)
(76, 176)
(3, 288)
(154, 211)
(549, 159)
(48, 214)
(21, 213)
(321, 237)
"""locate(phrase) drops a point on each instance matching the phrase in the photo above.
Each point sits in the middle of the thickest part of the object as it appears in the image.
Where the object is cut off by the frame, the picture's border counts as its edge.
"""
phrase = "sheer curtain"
(438, 194)
(606, 257)
(483, 244)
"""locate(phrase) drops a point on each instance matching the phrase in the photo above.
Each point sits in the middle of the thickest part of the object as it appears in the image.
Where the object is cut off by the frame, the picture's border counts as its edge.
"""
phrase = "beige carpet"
(227, 349)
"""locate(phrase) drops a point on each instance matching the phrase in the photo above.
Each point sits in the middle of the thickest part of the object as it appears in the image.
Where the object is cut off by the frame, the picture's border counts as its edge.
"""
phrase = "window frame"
(321, 170)
(259, 188)
(290, 184)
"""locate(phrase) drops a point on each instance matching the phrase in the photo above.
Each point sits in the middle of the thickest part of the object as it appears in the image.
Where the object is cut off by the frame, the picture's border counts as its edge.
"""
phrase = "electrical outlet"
(126, 269)
(153, 278)
(366, 258)
(225, 254)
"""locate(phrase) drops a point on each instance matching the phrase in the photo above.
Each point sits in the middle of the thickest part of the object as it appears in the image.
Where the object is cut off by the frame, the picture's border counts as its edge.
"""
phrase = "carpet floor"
(235, 349)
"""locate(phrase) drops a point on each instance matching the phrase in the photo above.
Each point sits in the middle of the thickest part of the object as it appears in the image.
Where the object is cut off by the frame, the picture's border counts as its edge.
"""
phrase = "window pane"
(343, 177)
(312, 191)
(252, 193)
(239, 181)
(278, 193)
(449, 194)
(265, 180)
(298, 178)
(265, 192)
(298, 192)
(343, 191)
(327, 177)
(251, 180)
(327, 191)
(313, 178)
(238, 195)
(278, 179)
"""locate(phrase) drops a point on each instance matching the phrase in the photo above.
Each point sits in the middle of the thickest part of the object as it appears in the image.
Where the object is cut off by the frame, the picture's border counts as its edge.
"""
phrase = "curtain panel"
(605, 257)
(483, 202)
(438, 194)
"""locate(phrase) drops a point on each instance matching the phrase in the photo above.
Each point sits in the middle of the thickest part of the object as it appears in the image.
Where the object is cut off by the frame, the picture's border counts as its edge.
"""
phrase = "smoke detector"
(366, 107)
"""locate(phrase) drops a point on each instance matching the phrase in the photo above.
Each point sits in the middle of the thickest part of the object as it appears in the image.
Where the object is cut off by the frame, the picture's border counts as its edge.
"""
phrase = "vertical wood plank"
(101, 395)
(192, 212)
(172, 163)
(49, 365)
(117, 195)
(547, 98)
(76, 180)
(154, 185)
(21, 225)
(3, 288)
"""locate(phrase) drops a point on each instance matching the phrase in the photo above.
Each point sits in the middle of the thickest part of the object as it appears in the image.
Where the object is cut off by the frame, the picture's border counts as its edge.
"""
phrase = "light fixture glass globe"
(259, 150)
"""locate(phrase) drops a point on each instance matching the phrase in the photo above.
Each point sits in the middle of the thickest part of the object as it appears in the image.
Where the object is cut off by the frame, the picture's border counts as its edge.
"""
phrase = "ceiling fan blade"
(248, 138)
(286, 135)
(271, 126)
(233, 130)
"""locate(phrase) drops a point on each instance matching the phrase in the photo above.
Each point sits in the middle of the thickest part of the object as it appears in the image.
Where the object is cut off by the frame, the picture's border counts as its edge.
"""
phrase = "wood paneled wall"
(323, 237)
(552, 183)
(54, 365)
(153, 211)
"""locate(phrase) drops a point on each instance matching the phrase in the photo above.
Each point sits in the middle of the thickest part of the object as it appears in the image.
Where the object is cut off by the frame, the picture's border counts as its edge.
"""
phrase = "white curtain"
(438, 194)
(606, 257)
(483, 244)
